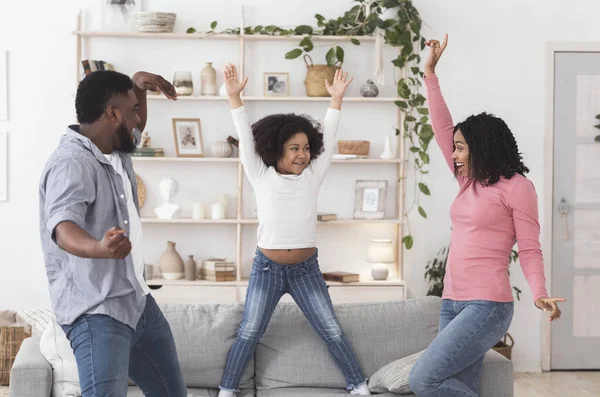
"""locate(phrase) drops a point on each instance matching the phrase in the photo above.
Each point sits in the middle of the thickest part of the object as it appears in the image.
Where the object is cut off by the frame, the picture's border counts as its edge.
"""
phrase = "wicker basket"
(503, 348)
(10, 343)
(154, 22)
(316, 76)
(360, 148)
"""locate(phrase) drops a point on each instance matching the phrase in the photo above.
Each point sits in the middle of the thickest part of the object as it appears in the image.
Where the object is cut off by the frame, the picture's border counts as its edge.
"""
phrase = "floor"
(547, 384)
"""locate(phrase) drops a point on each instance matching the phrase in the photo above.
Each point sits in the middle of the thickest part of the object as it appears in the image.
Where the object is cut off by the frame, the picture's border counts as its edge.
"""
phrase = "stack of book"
(216, 269)
(90, 66)
(323, 217)
(342, 277)
(149, 152)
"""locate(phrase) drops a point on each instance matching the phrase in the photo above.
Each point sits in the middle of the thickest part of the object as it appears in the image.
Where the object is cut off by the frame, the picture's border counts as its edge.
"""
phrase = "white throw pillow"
(394, 376)
(56, 348)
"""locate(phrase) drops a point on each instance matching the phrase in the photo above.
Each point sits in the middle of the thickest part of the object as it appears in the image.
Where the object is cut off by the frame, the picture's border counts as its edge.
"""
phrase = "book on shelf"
(338, 156)
(206, 272)
(216, 264)
(217, 278)
(342, 277)
(149, 152)
(324, 217)
(90, 66)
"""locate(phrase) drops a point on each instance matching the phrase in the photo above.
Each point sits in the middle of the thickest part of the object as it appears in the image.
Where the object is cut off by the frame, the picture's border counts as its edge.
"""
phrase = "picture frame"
(3, 166)
(369, 199)
(276, 84)
(188, 137)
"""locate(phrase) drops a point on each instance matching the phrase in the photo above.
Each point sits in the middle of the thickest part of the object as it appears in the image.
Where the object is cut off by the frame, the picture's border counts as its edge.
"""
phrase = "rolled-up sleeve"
(68, 187)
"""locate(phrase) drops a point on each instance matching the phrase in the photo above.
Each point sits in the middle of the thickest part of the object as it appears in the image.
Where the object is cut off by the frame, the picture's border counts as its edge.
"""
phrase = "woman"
(495, 207)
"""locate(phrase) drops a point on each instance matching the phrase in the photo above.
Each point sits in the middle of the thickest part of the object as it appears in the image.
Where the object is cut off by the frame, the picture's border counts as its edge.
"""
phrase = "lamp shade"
(381, 251)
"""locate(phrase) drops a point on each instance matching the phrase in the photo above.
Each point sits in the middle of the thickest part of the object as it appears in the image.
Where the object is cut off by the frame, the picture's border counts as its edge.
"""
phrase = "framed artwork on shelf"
(369, 199)
(276, 84)
(188, 138)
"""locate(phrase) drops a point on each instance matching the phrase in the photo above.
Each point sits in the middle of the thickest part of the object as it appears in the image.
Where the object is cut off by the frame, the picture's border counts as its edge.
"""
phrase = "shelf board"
(186, 283)
(244, 282)
(372, 160)
(189, 221)
(339, 221)
(187, 159)
(255, 221)
(276, 98)
(213, 36)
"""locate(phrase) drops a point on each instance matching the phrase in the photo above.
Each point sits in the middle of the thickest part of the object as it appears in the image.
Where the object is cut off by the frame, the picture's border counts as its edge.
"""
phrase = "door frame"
(548, 215)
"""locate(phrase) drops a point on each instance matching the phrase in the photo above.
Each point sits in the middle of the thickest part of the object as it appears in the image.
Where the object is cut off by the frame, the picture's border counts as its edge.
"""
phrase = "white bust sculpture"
(168, 190)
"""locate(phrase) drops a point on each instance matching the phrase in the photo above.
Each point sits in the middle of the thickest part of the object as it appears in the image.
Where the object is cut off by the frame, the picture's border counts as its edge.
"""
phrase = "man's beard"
(126, 144)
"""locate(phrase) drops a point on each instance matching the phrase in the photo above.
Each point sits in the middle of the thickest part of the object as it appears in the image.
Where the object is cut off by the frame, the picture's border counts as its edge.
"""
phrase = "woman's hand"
(550, 304)
(435, 52)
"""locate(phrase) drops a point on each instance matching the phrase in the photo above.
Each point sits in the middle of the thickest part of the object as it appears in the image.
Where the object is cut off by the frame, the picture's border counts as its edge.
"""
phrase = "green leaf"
(424, 157)
(213, 24)
(415, 149)
(307, 44)
(303, 29)
(424, 189)
(597, 138)
(426, 132)
(293, 54)
(399, 62)
(191, 30)
(330, 56)
(354, 41)
(422, 212)
(410, 118)
(401, 104)
(408, 241)
(397, 132)
(598, 116)
(423, 110)
(258, 28)
(339, 53)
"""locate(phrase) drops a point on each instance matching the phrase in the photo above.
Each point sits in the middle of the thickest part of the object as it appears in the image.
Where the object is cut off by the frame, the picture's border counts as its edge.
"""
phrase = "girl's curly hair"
(271, 133)
(493, 150)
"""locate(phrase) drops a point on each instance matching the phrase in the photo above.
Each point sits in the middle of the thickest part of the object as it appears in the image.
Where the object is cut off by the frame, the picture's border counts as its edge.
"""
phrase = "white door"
(576, 220)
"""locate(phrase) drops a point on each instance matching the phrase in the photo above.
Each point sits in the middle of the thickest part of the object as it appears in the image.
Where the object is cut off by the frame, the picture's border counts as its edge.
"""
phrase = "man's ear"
(112, 113)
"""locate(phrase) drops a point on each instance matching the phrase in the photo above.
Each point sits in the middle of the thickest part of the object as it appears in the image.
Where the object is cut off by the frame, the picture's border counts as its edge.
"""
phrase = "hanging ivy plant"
(400, 24)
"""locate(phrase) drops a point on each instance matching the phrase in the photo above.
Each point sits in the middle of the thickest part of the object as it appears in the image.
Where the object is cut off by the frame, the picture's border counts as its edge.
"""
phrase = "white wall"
(495, 62)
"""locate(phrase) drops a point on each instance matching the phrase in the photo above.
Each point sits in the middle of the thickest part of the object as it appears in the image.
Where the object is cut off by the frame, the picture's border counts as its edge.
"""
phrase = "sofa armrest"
(31, 374)
(497, 376)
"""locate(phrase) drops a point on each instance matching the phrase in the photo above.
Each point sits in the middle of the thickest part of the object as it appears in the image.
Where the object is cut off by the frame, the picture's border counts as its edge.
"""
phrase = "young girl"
(285, 158)
(495, 207)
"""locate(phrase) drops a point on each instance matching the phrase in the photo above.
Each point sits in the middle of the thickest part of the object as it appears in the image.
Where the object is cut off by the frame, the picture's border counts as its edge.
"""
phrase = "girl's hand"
(232, 83)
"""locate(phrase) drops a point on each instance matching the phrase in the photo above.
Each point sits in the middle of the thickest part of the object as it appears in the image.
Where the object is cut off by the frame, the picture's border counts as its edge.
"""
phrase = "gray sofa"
(290, 360)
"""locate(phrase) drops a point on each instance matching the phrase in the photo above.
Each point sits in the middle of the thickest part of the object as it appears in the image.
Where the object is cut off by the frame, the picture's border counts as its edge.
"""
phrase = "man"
(92, 241)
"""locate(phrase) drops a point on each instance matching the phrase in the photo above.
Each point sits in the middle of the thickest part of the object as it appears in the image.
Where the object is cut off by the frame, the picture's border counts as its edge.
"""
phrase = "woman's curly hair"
(271, 133)
(493, 150)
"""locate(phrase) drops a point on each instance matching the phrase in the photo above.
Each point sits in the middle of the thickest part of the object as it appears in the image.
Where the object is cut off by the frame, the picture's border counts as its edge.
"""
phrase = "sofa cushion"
(312, 392)
(135, 392)
(394, 376)
(55, 347)
(203, 336)
(291, 354)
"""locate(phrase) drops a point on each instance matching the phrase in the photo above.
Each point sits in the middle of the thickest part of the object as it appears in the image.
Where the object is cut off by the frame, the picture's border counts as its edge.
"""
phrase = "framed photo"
(188, 138)
(276, 84)
(3, 166)
(369, 200)
(3, 87)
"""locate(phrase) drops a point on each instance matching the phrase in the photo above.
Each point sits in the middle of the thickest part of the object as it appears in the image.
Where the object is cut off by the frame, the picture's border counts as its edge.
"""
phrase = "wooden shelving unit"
(398, 164)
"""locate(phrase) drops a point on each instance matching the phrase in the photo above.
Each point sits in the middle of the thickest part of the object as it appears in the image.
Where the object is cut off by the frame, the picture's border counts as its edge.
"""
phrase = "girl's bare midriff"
(289, 257)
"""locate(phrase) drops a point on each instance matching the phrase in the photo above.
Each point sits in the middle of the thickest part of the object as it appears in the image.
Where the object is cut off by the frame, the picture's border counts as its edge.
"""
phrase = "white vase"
(221, 149)
(208, 84)
(387, 150)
